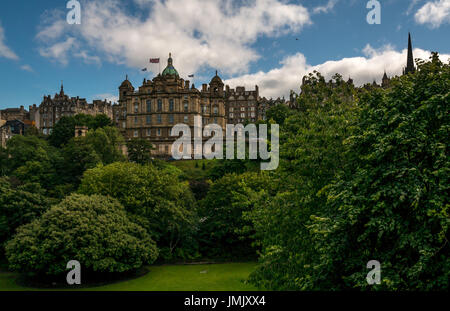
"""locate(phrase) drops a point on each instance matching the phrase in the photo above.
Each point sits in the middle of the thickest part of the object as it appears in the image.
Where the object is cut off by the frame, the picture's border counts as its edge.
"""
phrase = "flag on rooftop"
(154, 60)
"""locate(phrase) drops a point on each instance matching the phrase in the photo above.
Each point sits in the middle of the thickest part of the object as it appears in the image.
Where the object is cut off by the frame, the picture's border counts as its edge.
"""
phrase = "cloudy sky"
(271, 43)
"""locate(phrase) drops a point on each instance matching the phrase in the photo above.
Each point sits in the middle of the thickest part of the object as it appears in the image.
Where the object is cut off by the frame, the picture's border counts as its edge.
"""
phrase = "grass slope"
(215, 277)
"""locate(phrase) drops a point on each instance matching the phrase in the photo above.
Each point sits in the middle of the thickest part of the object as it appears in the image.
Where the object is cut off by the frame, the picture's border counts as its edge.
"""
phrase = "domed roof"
(216, 79)
(170, 69)
(126, 84)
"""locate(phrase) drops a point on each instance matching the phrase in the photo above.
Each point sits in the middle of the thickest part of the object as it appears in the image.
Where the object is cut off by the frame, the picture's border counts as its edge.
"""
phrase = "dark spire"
(62, 89)
(410, 62)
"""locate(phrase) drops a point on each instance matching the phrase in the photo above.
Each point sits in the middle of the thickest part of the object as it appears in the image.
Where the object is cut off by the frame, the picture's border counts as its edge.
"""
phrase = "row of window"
(243, 109)
(148, 119)
(159, 132)
(159, 107)
(243, 115)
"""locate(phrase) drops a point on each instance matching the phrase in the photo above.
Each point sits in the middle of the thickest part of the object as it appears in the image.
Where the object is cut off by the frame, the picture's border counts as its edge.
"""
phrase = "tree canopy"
(93, 230)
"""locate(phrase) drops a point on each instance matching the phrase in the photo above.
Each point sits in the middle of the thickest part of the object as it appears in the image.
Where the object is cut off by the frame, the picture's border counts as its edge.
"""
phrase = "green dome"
(170, 69)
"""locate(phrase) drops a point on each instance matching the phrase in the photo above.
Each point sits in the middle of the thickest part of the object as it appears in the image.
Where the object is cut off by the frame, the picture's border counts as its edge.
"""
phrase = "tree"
(100, 121)
(32, 159)
(62, 131)
(391, 200)
(312, 153)
(107, 143)
(4, 162)
(79, 156)
(278, 113)
(154, 197)
(19, 206)
(139, 150)
(93, 230)
(223, 231)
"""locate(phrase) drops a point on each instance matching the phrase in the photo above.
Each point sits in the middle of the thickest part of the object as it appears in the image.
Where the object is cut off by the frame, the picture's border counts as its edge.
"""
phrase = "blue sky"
(271, 43)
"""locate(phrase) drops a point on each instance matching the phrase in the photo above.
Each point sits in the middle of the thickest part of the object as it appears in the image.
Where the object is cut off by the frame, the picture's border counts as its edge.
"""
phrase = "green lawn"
(215, 277)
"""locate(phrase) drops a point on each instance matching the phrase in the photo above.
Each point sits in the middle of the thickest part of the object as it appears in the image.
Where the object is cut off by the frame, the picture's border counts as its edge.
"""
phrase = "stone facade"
(11, 114)
(10, 128)
(242, 105)
(48, 113)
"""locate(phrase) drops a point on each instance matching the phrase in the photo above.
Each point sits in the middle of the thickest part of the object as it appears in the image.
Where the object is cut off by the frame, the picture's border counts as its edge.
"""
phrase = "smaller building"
(81, 131)
(241, 105)
(10, 114)
(51, 110)
(10, 128)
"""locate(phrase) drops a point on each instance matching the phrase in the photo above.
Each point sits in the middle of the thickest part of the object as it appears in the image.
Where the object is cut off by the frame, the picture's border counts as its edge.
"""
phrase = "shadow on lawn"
(89, 280)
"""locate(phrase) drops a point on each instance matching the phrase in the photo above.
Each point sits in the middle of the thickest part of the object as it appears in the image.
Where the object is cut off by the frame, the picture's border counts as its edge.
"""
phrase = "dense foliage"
(64, 129)
(223, 230)
(94, 230)
(19, 206)
(391, 201)
(139, 150)
(364, 176)
(156, 199)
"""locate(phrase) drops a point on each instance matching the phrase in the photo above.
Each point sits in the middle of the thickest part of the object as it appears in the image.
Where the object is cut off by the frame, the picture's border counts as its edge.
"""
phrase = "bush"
(94, 230)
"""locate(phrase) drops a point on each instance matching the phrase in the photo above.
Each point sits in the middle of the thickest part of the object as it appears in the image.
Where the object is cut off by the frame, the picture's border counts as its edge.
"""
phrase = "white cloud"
(279, 81)
(215, 33)
(325, 8)
(5, 51)
(411, 6)
(27, 68)
(59, 51)
(434, 13)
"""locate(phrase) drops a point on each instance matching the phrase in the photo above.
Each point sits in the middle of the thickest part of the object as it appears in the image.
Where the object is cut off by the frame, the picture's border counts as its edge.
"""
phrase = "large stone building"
(48, 113)
(151, 111)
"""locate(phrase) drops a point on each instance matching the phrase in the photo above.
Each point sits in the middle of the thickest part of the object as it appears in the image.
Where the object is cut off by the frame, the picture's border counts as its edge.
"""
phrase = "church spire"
(62, 88)
(410, 62)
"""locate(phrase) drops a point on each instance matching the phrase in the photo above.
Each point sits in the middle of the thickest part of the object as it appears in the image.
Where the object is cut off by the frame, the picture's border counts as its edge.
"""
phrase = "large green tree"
(94, 230)
(32, 159)
(391, 201)
(19, 206)
(62, 131)
(312, 144)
